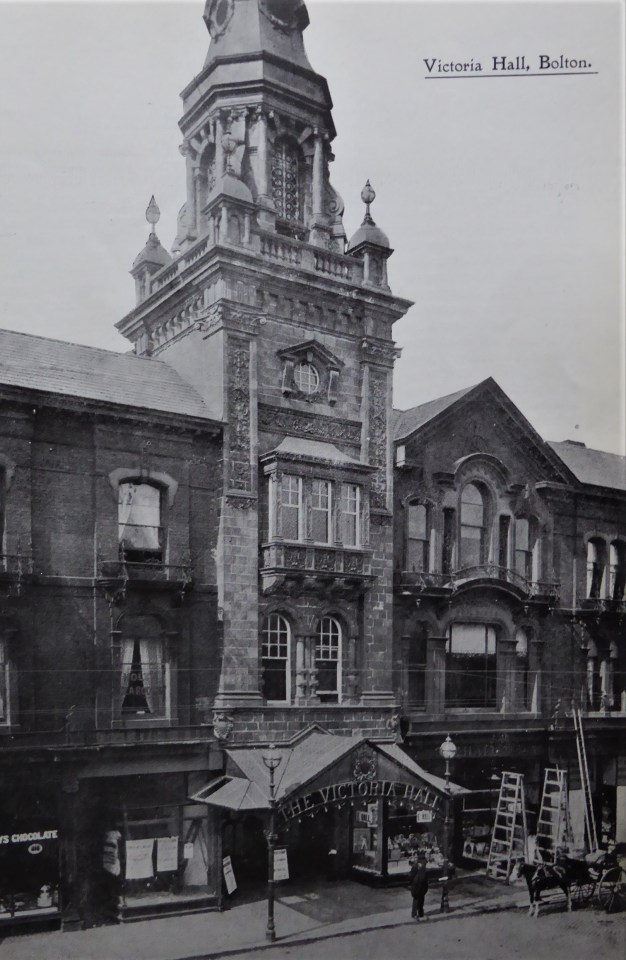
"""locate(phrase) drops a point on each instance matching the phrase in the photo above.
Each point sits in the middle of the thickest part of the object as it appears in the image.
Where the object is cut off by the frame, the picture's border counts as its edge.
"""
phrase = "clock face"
(217, 15)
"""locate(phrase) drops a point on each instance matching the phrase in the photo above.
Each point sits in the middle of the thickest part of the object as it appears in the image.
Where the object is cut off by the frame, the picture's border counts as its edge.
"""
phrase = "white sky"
(503, 198)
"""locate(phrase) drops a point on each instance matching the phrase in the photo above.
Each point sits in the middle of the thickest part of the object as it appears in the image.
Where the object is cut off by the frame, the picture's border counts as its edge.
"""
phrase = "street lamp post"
(271, 759)
(448, 752)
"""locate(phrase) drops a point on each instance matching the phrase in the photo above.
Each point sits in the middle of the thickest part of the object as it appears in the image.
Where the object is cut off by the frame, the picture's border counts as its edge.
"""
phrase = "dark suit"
(418, 880)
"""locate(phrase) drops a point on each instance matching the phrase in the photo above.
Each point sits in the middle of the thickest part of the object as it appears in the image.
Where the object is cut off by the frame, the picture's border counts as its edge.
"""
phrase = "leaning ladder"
(509, 837)
(554, 826)
(590, 823)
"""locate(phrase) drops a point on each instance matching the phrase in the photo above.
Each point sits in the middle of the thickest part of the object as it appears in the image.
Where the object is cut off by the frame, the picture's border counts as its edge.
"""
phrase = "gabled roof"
(406, 422)
(590, 466)
(73, 370)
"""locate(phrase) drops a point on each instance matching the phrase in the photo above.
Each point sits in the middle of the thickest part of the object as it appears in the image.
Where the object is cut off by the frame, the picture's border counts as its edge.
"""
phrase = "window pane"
(290, 507)
(320, 511)
(4, 671)
(327, 657)
(139, 514)
(275, 658)
(417, 521)
(350, 510)
(521, 534)
(143, 679)
(471, 666)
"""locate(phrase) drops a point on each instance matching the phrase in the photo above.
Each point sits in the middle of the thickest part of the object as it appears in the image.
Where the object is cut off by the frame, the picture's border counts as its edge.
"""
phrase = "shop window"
(2, 513)
(351, 514)
(291, 507)
(473, 527)
(144, 684)
(617, 570)
(418, 538)
(5, 688)
(328, 660)
(449, 531)
(286, 181)
(320, 511)
(139, 519)
(275, 659)
(165, 854)
(595, 568)
(471, 666)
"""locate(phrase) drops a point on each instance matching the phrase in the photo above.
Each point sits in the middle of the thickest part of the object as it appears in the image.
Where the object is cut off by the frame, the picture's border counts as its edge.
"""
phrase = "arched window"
(595, 568)
(473, 526)
(276, 659)
(617, 570)
(471, 666)
(328, 660)
(2, 512)
(286, 192)
(139, 520)
(417, 543)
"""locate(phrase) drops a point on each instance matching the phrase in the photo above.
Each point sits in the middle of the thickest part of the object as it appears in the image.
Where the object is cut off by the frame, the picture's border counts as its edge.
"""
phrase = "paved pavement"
(304, 913)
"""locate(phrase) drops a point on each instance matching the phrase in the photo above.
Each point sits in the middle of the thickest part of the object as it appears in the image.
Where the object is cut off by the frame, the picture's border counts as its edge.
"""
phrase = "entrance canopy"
(320, 769)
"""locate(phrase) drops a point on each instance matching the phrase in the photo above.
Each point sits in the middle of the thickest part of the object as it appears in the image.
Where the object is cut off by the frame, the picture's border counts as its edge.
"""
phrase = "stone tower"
(285, 330)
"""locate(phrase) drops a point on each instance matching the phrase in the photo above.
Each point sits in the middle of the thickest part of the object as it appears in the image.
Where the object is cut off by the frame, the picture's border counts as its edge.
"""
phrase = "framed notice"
(139, 859)
(229, 875)
(281, 866)
(424, 816)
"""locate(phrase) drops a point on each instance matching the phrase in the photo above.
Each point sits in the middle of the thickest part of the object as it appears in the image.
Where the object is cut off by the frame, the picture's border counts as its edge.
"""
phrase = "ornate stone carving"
(239, 414)
(378, 437)
(325, 560)
(295, 557)
(365, 765)
(376, 351)
(242, 503)
(352, 563)
(304, 424)
(222, 725)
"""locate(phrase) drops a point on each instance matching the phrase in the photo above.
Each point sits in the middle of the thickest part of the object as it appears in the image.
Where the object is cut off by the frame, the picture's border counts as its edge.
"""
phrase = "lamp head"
(271, 757)
(448, 749)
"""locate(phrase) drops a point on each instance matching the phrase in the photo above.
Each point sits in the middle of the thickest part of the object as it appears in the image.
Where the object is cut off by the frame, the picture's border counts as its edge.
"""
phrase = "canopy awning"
(322, 768)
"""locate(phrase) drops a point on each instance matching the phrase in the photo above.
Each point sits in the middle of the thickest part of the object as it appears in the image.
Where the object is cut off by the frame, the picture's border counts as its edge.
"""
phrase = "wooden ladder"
(509, 836)
(590, 822)
(554, 826)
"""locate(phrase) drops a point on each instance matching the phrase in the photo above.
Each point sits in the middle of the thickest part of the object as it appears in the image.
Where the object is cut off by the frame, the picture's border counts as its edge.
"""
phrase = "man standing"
(418, 881)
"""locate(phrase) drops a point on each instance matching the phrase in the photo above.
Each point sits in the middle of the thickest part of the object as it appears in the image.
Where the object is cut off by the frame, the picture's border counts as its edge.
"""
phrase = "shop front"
(340, 806)
(30, 835)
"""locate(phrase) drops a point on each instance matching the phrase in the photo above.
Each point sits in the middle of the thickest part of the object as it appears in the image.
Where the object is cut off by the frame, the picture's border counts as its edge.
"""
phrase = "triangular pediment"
(311, 351)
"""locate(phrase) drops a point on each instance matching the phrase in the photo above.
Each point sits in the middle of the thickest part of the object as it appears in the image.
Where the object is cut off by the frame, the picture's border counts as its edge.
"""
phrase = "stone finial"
(368, 195)
(153, 214)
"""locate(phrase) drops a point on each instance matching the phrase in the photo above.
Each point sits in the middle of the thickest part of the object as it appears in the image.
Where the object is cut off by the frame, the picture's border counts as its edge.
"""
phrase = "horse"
(540, 877)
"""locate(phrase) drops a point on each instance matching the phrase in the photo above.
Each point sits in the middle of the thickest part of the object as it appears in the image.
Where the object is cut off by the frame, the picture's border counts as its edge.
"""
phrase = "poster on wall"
(167, 854)
(229, 875)
(139, 859)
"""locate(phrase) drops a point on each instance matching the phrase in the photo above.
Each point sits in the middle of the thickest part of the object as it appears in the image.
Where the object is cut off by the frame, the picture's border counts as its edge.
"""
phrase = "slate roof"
(405, 422)
(595, 467)
(73, 370)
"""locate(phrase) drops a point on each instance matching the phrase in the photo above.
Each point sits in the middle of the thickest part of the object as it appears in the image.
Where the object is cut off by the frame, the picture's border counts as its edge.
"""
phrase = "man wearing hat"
(418, 882)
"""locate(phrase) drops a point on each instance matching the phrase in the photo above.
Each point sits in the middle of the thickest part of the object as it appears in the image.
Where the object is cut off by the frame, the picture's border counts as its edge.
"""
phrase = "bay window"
(526, 547)
(351, 514)
(320, 511)
(291, 507)
(595, 568)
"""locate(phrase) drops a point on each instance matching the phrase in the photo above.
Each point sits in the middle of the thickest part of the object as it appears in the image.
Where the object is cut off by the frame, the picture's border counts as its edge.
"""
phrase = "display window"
(411, 832)
(164, 854)
(479, 810)
(29, 870)
(366, 833)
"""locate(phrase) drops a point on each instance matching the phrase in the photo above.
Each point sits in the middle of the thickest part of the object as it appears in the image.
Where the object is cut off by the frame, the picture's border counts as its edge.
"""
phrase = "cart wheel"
(582, 892)
(612, 891)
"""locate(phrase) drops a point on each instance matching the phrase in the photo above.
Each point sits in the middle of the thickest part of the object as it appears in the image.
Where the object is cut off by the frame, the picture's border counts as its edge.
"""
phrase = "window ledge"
(148, 723)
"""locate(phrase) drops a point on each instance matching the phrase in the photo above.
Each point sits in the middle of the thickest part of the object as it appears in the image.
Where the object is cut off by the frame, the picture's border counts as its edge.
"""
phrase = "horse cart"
(579, 879)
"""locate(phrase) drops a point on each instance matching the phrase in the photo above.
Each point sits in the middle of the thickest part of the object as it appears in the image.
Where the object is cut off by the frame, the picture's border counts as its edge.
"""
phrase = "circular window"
(307, 378)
